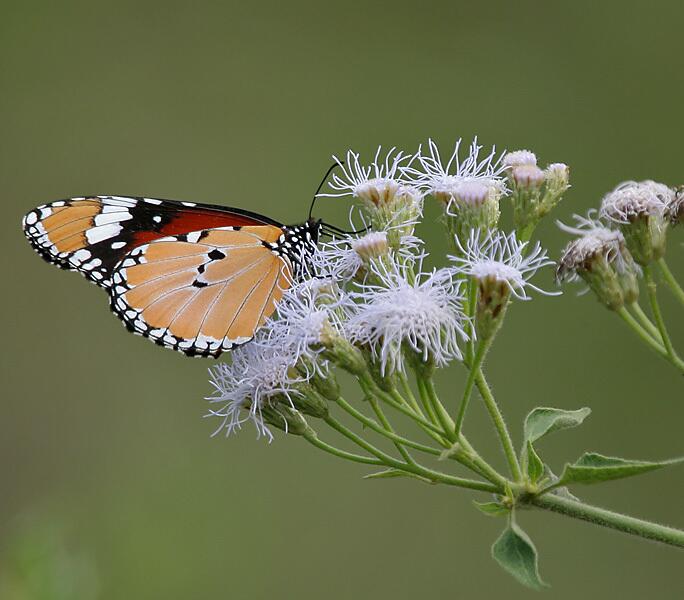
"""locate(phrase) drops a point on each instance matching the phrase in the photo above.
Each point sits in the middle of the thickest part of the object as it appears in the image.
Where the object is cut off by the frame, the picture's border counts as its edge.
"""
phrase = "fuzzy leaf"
(516, 553)
(391, 473)
(541, 421)
(595, 468)
(492, 509)
(535, 465)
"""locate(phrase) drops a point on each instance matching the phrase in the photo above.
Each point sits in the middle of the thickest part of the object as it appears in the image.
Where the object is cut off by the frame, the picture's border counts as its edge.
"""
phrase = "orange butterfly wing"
(204, 292)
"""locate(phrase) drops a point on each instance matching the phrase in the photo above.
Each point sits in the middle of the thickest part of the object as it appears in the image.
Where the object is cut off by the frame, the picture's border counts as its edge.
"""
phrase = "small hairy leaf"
(541, 421)
(516, 553)
(595, 468)
(492, 509)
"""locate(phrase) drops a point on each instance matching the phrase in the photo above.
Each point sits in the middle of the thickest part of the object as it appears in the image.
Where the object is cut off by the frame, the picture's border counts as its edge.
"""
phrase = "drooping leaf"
(516, 553)
(595, 468)
(392, 473)
(535, 465)
(492, 509)
(542, 421)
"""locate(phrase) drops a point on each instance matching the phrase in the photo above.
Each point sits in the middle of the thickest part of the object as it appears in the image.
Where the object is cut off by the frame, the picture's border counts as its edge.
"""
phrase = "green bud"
(308, 402)
(646, 236)
(493, 297)
(281, 415)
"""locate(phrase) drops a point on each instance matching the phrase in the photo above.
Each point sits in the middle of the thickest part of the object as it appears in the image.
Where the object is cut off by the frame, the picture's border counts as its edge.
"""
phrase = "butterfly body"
(196, 278)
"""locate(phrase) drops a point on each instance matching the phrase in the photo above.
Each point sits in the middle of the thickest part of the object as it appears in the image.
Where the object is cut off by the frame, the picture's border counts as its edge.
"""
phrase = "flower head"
(599, 256)
(633, 199)
(518, 158)
(501, 269)
(379, 186)
(252, 386)
(424, 315)
(471, 179)
(501, 259)
(640, 209)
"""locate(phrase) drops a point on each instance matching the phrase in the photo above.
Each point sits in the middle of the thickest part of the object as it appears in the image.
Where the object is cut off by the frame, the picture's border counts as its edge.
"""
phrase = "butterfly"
(197, 278)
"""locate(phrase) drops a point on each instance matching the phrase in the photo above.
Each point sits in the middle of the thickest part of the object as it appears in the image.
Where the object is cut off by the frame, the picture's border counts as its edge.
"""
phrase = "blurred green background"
(111, 485)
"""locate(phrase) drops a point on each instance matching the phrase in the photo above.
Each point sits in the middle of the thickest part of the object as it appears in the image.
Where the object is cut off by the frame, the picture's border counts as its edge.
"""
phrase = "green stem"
(613, 520)
(427, 387)
(370, 388)
(650, 342)
(416, 469)
(387, 427)
(470, 383)
(311, 437)
(389, 434)
(670, 280)
(499, 424)
(652, 288)
(641, 332)
(409, 394)
(645, 321)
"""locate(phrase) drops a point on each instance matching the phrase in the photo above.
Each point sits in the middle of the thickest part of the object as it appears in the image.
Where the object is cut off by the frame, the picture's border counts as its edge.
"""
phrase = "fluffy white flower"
(501, 258)
(377, 184)
(468, 178)
(257, 376)
(424, 313)
(632, 199)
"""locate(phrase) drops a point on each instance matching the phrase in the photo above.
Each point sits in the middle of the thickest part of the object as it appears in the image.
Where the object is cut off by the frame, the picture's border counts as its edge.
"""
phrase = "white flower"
(307, 316)
(258, 376)
(377, 184)
(632, 199)
(456, 177)
(502, 259)
(342, 259)
(424, 314)
(519, 158)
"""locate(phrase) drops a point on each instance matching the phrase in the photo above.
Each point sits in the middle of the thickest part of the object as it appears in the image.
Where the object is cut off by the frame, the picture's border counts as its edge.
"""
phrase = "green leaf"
(516, 553)
(492, 509)
(391, 473)
(541, 421)
(535, 465)
(595, 468)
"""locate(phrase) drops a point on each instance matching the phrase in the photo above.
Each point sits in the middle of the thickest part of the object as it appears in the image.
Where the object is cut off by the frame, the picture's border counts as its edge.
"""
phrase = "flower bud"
(602, 260)
(472, 204)
(284, 417)
(534, 191)
(308, 402)
(519, 158)
(640, 211)
(493, 296)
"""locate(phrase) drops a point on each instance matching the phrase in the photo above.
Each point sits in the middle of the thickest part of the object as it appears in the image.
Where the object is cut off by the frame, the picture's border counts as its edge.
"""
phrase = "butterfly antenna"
(320, 185)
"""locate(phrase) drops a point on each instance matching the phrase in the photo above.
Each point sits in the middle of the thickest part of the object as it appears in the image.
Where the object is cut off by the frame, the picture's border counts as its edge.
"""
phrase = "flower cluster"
(366, 303)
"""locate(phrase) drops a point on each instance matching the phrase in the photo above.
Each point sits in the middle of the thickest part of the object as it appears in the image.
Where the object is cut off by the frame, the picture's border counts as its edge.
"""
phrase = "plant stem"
(670, 280)
(427, 387)
(311, 437)
(607, 518)
(646, 337)
(387, 427)
(646, 323)
(652, 287)
(499, 424)
(391, 435)
(369, 387)
(641, 332)
(470, 382)
(416, 469)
